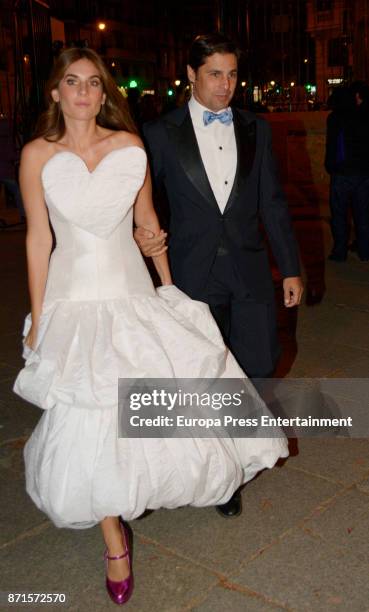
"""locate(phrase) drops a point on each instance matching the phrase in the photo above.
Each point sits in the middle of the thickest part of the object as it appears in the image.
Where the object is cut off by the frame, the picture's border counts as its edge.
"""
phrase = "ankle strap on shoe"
(106, 556)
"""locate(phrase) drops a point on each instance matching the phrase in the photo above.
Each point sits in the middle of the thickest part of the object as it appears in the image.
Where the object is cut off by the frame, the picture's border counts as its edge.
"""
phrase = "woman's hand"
(31, 337)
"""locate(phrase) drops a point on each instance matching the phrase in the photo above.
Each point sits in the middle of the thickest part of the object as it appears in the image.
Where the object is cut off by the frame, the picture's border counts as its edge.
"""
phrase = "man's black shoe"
(233, 507)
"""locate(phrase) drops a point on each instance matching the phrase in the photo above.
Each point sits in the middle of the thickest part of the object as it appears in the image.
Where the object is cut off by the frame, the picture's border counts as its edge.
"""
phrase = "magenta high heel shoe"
(120, 591)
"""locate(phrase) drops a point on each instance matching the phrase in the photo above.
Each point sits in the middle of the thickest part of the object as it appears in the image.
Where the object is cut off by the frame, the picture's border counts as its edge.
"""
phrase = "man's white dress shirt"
(218, 151)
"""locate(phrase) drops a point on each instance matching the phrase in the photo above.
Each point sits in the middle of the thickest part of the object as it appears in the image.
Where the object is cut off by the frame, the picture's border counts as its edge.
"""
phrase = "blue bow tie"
(225, 117)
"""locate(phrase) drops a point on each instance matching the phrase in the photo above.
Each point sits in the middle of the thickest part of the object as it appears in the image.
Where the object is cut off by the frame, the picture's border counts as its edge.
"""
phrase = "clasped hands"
(152, 246)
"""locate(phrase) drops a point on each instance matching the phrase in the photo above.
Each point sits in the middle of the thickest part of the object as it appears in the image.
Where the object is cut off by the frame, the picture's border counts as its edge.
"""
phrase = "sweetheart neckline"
(90, 172)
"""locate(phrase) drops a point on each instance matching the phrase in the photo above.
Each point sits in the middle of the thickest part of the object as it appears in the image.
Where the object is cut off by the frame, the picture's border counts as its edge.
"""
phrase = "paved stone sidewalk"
(301, 543)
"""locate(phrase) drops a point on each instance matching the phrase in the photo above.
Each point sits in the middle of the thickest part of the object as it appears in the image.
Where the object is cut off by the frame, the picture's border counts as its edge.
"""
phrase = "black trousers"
(248, 327)
(346, 190)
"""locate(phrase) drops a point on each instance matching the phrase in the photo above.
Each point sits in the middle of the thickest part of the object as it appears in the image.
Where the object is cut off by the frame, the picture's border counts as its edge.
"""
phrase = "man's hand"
(149, 244)
(292, 289)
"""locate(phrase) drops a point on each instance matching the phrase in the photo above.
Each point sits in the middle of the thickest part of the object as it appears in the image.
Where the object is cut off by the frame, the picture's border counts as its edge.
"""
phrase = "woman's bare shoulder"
(37, 152)
(127, 139)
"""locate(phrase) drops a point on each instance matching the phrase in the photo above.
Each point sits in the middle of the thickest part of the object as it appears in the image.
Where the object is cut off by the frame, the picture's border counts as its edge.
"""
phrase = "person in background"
(347, 162)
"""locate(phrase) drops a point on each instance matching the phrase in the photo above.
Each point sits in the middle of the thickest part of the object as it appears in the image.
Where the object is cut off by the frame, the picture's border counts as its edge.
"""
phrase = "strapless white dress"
(102, 319)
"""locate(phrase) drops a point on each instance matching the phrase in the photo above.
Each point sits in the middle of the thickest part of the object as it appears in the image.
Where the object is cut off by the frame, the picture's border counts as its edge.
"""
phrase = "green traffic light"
(133, 84)
(308, 86)
(170, 92)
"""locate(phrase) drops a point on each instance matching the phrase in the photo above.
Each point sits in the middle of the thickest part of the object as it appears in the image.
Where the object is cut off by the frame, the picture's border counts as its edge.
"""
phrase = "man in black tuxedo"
(218, 171)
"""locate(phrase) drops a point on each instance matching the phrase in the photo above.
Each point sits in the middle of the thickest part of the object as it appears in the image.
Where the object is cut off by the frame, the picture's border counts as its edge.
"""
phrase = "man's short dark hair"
(206, 45)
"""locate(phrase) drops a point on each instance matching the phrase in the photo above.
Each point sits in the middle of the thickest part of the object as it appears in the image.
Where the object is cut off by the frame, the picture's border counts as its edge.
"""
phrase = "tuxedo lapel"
(245, 135)
(182, 135)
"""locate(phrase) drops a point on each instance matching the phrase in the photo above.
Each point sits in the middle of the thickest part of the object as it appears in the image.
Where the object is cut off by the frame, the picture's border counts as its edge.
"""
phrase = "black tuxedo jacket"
(197, 226)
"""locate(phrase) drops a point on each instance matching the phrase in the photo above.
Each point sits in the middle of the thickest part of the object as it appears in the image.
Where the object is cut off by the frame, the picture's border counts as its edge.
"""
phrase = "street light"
(243, 84)
(272, 83)
(306, 60)
(292, 83)
(177, 83)
(101, 26)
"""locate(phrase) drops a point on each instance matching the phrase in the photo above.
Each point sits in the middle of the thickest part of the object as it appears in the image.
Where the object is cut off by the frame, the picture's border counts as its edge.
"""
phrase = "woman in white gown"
(96, 316)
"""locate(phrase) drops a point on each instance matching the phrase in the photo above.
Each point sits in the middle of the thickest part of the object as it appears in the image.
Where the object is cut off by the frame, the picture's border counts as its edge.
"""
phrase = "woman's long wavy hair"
(114, 114)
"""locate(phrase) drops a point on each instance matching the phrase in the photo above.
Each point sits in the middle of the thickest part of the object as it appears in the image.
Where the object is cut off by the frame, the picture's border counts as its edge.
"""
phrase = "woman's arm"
(39, 238)
(146, 217)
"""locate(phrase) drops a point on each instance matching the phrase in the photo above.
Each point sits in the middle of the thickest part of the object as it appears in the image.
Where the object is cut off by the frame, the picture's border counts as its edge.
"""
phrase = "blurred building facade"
(6, 59)
(279, 50)
(124, 33)
(340, 29)
(26, 59)
(278, 44)
(142, 42)
(287, 44)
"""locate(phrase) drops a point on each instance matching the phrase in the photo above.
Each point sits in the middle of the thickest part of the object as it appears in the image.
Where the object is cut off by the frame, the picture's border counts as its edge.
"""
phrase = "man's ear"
(191, 74)
(55, 95)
